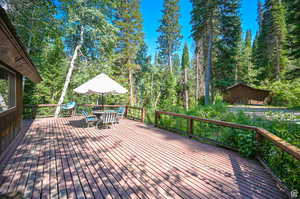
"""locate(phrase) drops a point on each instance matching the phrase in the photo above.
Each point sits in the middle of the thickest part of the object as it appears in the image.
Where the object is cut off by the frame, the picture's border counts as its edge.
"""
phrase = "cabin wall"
(11, 120)
(245, 95)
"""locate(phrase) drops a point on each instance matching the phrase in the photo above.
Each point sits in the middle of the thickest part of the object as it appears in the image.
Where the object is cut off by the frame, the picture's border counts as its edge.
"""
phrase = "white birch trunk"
(69, 75)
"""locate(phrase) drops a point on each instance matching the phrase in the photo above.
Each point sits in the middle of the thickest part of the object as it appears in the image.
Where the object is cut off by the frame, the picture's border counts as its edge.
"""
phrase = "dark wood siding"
(11, 120)
(242, 94)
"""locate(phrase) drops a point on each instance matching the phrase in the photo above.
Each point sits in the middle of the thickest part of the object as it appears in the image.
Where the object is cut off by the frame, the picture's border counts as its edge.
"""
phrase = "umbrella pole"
(102, 103)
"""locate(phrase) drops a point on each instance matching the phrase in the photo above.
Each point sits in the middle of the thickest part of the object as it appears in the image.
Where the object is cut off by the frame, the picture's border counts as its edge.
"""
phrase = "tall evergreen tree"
(204, 24)
(293, 18)
(185, 63)
(130, 36)
(278, 33)
(246, 71)
(169, 32)
(270, 46)
(228, 49)
(260, 15)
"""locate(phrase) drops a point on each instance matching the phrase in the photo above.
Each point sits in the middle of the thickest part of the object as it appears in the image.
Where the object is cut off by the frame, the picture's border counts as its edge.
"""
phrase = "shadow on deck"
(56, 158)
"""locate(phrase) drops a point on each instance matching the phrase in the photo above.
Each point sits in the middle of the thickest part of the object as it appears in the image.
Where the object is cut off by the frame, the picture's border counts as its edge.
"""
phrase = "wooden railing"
(47, 110)
(267, 146)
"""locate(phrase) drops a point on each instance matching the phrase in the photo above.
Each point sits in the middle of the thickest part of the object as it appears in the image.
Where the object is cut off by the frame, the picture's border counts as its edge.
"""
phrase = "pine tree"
(260, 15)
(270, 46)
(204, 24)
(130, 36)
(169, 32)
(258, 56)
(185, 63)
(246, 71)
(293, 18)
(278, 33)
(228, 49)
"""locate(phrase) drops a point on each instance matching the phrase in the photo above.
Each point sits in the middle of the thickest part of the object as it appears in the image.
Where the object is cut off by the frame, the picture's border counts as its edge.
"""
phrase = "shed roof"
(12, 51)
(245, 85)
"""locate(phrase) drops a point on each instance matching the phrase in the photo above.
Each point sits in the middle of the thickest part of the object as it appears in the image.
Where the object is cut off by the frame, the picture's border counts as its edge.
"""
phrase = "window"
(7, 89)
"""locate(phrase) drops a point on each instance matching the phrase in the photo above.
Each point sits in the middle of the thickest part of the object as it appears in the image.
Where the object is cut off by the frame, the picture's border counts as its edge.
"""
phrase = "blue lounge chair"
(89, 119)
(69, 108)
(120, 113)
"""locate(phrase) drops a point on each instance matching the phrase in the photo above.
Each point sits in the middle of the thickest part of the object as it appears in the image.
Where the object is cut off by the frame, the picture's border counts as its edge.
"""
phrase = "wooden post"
(126, 110)
(156, 119)
(258, 137)
(142, 114)
(190, 127)
(34, 108)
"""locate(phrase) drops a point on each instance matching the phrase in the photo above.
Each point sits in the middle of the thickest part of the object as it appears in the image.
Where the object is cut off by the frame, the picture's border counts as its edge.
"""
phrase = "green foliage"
(169, 31)
(285, 92)
(227, 45)
(270, 50)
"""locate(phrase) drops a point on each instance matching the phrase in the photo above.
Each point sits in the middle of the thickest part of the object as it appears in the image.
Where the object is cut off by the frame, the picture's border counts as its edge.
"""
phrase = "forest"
(71, 42)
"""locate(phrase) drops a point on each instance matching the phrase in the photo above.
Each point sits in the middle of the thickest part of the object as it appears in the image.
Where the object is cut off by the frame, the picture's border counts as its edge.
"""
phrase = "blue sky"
(151, 11)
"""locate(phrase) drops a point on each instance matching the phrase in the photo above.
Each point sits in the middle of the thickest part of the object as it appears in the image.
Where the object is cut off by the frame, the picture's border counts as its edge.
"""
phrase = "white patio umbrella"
(101, 84)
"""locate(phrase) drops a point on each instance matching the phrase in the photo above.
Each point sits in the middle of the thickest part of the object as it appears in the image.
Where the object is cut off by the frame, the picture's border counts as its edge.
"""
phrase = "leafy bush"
(285, 93)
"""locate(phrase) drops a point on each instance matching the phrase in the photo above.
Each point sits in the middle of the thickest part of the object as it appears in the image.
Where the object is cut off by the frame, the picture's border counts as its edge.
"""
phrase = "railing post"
(126, 110)
(142, 114)
(190, 127)
(156, 119)
(34, 108)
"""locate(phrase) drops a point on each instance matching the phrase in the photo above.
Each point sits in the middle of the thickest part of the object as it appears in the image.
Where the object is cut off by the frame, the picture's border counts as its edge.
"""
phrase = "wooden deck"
(56, 158)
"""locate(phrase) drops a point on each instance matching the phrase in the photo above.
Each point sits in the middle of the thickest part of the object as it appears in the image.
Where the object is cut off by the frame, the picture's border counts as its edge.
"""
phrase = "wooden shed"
(14, 65)
(243, 94)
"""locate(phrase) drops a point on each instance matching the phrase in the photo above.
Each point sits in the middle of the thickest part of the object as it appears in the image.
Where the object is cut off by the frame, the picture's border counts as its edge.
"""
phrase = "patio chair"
(120, 113)
(107, 118)
(89, 119)
(68, 108)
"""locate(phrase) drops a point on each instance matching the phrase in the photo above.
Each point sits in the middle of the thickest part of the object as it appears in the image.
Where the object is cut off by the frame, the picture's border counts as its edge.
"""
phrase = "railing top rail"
(135, 107)
(54, 105)
(287, 147)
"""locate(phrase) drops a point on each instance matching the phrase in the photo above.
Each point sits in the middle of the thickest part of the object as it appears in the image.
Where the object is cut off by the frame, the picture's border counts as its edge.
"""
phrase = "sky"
(151, 12)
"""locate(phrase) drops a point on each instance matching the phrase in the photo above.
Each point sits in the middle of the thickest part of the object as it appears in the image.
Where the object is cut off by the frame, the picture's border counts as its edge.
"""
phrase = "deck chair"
(89, 119)
(107, 118)
(68, 109)
(120, 113)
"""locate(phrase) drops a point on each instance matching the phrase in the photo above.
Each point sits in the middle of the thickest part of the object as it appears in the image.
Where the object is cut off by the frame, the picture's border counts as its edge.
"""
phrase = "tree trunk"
(170, 62)
(277, 65)
(186, 92)
(69, 75)
(197, 78)
(199, 70)
(156, 100)
(209, 65)
(131, 97)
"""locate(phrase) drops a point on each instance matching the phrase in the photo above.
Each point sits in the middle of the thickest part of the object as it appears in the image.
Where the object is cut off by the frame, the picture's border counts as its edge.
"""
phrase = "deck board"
(56, 158)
